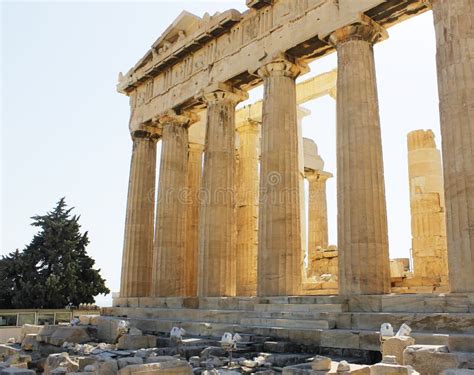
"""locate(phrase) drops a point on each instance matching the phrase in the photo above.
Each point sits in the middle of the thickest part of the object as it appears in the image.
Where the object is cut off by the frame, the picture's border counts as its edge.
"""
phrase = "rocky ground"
(77, 350)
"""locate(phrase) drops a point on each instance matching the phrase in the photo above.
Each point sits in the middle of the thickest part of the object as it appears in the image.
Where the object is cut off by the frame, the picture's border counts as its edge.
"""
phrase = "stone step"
(304, 307)
(420, 303)
(431, 322)
(296, 315)
(302, 300)
(306, 334)
(289, 323)
(222, 316)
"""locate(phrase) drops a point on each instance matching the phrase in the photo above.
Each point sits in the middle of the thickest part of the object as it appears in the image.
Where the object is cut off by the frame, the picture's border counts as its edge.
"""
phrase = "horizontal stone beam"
(229, 47)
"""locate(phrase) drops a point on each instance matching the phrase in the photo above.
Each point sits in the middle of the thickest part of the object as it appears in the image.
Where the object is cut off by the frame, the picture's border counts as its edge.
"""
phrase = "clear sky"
(65, 128)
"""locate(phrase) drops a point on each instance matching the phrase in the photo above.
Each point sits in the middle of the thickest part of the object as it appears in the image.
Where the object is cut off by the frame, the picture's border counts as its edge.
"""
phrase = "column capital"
(366, 29)
(317, 175)
(222, 92)
(144, 134)
(170, 117)
(248, 126)
(196, 147)
(283, 66)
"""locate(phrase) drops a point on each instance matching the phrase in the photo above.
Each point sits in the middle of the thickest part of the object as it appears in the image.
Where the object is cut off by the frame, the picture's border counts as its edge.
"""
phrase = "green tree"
(54, 269)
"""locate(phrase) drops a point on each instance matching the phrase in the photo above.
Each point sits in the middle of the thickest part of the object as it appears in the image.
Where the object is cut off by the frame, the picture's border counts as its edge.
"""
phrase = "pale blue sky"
(65, 128)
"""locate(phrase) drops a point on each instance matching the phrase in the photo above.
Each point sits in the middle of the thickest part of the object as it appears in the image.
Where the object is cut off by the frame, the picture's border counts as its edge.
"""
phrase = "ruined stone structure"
(223, 248)
(232, 224)
(428, 215)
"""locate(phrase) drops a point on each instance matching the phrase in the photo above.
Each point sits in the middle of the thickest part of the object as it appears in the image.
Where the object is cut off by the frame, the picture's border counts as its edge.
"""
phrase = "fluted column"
(279, 238)
(192, 219)
(317, 207)
(170, 233)
(428, 215)
(454, 20)
(139, 224)
(216, 272)
(247, 208)
(362, 215)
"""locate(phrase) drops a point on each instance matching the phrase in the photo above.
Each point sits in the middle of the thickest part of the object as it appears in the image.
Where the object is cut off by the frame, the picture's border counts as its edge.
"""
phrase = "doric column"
(428, 216)
(170, 233)
(279, 237)
(301, 113)
(362, 215)
(454, 20)
(247, 208)
(139, 227)
(216, 272)
(317, 208)
(192, 219)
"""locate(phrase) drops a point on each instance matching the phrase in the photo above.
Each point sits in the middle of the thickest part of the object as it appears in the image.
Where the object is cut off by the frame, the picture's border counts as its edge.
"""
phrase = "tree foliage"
(54, 270)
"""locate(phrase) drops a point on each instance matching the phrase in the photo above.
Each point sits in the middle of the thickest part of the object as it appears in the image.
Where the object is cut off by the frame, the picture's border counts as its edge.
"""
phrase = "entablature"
(230, 47)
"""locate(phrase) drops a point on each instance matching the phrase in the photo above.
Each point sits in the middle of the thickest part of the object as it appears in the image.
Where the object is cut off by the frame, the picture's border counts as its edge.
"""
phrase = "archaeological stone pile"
(101, 346)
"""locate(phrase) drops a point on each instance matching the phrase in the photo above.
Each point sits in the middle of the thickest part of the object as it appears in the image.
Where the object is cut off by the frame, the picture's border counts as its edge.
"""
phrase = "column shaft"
(428, 215)
(170, 234)
(454, 20)
(216, 273)
(362, 216)
(279, 238)
(247, 209)
(192, 219)
(318, 215)
(139, 226)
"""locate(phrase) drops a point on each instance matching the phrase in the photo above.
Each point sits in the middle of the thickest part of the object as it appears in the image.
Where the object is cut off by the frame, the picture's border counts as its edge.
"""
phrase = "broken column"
(318, 215)
(170, 233)
(279, 238)
(139, 223)
(216, 272)
(428, 217)
(247, 208)
(362, 214)
(454, 39)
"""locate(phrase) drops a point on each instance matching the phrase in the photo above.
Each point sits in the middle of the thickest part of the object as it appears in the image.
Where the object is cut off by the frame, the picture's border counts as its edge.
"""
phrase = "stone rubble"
(150, 354)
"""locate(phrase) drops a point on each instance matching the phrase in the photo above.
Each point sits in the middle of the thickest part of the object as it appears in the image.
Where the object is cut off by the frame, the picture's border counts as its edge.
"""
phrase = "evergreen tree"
(54, 269)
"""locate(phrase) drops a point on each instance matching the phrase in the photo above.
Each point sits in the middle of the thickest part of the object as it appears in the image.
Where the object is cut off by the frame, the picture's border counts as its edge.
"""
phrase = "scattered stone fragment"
(394, 346)
(170, 366)
(30, 343)
(136, 342)
(321, 363)
(90, 368)
(60, 360)
(16, 371)
(123, 362)
(7, 351)
(343, 366)
(430, 359)
(59, 371)
(76, 335)
(213, 351)
(391, 369)
(195, 361)
(107, 367)
(28, 329)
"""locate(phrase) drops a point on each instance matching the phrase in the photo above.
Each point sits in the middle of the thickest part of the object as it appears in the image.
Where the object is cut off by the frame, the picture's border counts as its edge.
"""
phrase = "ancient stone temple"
(227, 232)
